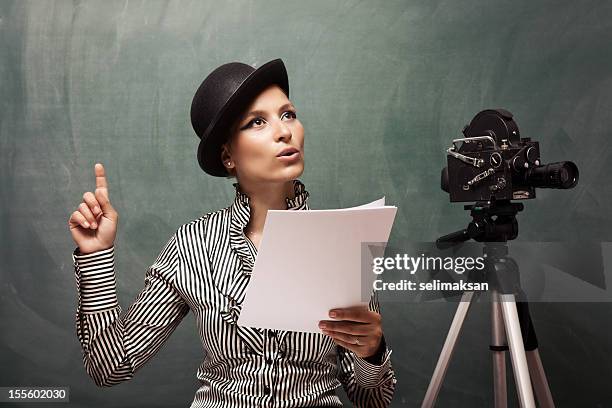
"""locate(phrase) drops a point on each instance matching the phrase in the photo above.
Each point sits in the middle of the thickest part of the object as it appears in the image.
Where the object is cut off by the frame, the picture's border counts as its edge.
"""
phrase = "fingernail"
(94, 225)
(96, 209)
(86, 224)
(322, 326)
(333, 314)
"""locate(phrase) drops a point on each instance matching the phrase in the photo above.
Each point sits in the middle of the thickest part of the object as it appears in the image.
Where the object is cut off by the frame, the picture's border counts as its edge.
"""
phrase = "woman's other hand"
(94, 224)
(357, 329)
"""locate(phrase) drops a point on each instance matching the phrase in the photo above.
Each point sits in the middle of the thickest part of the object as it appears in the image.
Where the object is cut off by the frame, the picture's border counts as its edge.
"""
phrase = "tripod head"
(492, 221)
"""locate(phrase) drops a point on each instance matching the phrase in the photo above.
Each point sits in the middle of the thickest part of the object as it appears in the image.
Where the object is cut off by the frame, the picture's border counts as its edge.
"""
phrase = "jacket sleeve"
(115, 346)
(367, 384)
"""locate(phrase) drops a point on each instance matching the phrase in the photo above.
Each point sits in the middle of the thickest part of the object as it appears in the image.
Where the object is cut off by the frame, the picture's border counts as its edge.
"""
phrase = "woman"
(249, 130)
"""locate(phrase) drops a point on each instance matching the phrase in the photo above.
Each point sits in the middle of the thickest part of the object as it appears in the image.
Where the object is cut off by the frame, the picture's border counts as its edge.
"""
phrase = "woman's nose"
(282, 131)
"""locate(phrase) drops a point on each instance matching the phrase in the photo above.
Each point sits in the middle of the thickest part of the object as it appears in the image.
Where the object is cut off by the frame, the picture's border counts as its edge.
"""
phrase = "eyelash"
(250, 124)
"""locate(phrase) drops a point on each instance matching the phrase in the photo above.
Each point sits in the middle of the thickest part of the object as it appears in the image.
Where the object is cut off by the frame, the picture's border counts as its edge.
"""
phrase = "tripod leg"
(447, 351)
(498, 347)
(517, 351)
(536, 369)
(538, 377)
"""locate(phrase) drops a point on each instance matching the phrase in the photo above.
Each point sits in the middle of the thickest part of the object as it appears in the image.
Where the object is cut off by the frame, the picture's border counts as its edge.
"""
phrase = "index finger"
(100, 175)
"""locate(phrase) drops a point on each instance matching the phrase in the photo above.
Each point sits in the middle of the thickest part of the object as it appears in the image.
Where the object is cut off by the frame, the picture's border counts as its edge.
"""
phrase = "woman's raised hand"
(94, 224)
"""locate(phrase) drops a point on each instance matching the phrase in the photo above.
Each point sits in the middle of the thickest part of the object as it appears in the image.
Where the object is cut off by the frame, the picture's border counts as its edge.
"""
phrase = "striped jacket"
(205, 267)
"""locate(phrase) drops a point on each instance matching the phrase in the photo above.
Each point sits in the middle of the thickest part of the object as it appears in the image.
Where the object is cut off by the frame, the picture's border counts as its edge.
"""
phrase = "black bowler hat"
(224, 94)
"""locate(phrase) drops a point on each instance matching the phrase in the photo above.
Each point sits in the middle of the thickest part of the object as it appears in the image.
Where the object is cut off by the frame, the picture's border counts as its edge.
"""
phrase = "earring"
(228, 163)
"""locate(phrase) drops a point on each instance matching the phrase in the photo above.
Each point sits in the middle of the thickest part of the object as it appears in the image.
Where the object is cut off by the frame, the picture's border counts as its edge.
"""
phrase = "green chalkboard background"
(381, 88)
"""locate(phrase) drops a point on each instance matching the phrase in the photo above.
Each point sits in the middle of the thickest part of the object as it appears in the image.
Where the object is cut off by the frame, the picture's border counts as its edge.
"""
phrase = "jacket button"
(266, 390)
(269, 360)
(271, 334)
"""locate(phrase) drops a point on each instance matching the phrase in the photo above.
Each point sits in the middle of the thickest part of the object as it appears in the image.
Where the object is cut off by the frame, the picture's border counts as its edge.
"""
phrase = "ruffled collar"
(301, 195)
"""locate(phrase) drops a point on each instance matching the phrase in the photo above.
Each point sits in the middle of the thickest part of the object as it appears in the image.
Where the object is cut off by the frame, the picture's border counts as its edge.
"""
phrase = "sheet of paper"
(376, 203)
(308, 262)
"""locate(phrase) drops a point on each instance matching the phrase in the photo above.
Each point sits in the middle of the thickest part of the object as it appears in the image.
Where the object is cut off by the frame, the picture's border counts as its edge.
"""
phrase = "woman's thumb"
(101, 194)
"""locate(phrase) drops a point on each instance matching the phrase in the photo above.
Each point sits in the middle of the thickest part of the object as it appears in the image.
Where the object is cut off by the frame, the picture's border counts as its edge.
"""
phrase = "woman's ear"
(226, 159)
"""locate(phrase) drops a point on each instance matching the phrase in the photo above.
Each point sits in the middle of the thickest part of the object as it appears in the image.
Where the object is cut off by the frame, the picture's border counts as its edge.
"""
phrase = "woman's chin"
(296, 169)
(290, 172)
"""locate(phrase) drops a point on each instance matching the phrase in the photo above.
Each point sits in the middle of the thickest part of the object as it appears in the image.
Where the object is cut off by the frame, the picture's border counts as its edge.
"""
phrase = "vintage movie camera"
(493, 162)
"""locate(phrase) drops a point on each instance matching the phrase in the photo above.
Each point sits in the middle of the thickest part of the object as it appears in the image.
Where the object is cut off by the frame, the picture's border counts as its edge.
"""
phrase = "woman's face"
(267, 127)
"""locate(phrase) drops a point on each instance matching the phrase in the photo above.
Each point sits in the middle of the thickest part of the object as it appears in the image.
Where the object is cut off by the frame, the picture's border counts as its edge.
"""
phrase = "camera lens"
(560, 175)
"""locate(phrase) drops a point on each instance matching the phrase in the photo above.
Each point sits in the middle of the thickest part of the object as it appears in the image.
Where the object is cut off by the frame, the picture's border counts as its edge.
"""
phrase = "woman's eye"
(257, 122)
(291, 114)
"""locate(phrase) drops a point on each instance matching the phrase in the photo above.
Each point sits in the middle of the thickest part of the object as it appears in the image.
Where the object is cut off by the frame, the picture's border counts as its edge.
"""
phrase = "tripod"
(495, 223)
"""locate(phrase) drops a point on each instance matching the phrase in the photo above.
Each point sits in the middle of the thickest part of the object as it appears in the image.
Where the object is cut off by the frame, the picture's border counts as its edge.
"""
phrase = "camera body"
(493, 162)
